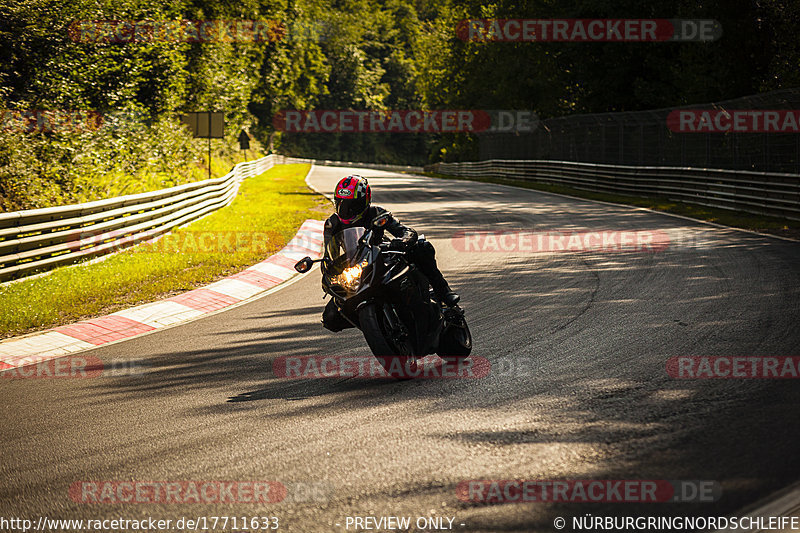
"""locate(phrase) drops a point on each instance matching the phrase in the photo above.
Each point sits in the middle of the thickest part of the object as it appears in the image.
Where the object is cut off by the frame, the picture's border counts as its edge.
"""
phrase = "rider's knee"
(424, 249)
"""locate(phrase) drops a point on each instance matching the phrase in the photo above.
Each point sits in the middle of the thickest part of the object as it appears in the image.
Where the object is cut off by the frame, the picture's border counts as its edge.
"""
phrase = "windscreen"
(342, 248)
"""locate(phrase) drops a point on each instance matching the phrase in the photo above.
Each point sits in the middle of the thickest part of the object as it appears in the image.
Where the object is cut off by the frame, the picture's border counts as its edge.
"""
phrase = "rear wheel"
(388, 339)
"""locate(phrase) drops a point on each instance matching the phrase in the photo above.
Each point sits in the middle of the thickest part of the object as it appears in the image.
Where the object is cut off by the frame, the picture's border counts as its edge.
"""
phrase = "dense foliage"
(343, 54)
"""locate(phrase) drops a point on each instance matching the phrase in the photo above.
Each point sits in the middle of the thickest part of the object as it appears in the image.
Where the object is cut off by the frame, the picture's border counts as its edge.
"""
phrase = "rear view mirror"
(304, 265)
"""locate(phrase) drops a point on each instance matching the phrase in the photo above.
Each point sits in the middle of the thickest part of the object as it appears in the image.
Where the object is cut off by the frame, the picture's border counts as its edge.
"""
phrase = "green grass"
(272, 206)
(117, 183)
(736, 219)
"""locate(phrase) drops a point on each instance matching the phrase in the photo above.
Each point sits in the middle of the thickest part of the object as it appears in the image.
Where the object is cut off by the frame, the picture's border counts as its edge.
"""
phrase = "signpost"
(206, 124)
(244, 143)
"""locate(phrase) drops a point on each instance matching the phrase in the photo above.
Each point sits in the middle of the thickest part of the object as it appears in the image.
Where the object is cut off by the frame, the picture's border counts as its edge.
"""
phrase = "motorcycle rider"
(352, 202)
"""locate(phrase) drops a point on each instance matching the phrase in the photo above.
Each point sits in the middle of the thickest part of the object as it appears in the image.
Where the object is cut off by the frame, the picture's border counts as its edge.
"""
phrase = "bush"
(128, 154)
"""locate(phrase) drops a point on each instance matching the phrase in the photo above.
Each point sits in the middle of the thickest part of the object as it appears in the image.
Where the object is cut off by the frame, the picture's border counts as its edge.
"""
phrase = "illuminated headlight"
(350, 277)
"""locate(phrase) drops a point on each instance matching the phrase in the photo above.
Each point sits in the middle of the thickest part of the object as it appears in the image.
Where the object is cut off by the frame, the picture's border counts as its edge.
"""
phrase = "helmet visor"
(349, 208)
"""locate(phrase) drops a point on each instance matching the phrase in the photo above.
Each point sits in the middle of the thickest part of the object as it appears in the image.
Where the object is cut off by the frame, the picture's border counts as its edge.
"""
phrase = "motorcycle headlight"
(350, 277)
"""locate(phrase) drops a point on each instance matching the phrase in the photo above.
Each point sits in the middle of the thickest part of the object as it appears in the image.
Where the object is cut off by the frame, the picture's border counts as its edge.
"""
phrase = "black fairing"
(388, 277)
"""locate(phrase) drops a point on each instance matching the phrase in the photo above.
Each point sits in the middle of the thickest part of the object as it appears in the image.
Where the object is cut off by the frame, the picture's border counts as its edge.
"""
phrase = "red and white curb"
(63, 340)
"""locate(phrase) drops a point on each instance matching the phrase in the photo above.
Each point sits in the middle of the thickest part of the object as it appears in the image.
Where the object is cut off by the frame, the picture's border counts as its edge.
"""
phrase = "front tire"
(396, 355)
(455, 342)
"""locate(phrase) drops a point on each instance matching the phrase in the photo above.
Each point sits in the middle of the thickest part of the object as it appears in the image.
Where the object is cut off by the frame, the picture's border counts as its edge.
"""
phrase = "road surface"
(578, 388)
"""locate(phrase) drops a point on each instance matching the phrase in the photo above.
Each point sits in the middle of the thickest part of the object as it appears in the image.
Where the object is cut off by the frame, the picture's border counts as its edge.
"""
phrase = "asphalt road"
(578, 388)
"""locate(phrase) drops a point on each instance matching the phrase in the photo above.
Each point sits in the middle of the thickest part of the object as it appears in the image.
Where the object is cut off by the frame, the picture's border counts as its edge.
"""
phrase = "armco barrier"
(41, 239)
(762, 193)
(355, 164)
(375, 166)
(258, 279)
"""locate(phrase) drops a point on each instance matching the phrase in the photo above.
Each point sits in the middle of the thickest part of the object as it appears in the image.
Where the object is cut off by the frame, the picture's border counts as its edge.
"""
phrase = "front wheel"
(388, 339)
(455, 341)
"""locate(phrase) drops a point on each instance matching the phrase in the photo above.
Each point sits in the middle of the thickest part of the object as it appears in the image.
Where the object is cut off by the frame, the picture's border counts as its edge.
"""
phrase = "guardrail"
(41, 239)
(762, 193)
(356, 164)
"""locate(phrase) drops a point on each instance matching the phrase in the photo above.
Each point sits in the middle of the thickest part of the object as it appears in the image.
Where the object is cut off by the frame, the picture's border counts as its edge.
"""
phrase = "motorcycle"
(379, 291)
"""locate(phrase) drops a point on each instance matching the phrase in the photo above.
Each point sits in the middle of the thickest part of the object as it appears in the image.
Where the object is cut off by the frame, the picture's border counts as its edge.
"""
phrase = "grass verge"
(762, 224)
(263, 217)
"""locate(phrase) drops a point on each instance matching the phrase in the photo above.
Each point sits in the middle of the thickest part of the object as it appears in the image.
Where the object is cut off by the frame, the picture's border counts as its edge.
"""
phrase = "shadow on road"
(578, 344)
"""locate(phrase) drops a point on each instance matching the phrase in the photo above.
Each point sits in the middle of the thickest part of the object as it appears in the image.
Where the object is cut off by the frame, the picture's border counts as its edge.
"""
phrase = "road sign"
(244, 141)
(205, 124)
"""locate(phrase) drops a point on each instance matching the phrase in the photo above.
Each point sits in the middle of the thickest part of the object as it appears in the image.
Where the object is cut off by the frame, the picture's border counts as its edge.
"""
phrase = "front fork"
(399, 332)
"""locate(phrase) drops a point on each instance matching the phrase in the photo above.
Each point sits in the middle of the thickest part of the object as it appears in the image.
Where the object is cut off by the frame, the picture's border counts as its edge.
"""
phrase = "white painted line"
(326, 195)
(632, 207)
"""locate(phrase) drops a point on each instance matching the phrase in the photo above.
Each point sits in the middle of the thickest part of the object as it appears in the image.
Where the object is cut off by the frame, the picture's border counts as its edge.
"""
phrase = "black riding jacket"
(334, 225)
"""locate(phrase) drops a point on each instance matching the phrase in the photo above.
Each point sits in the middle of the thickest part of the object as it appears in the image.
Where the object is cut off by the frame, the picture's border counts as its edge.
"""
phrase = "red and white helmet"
(352, 198)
